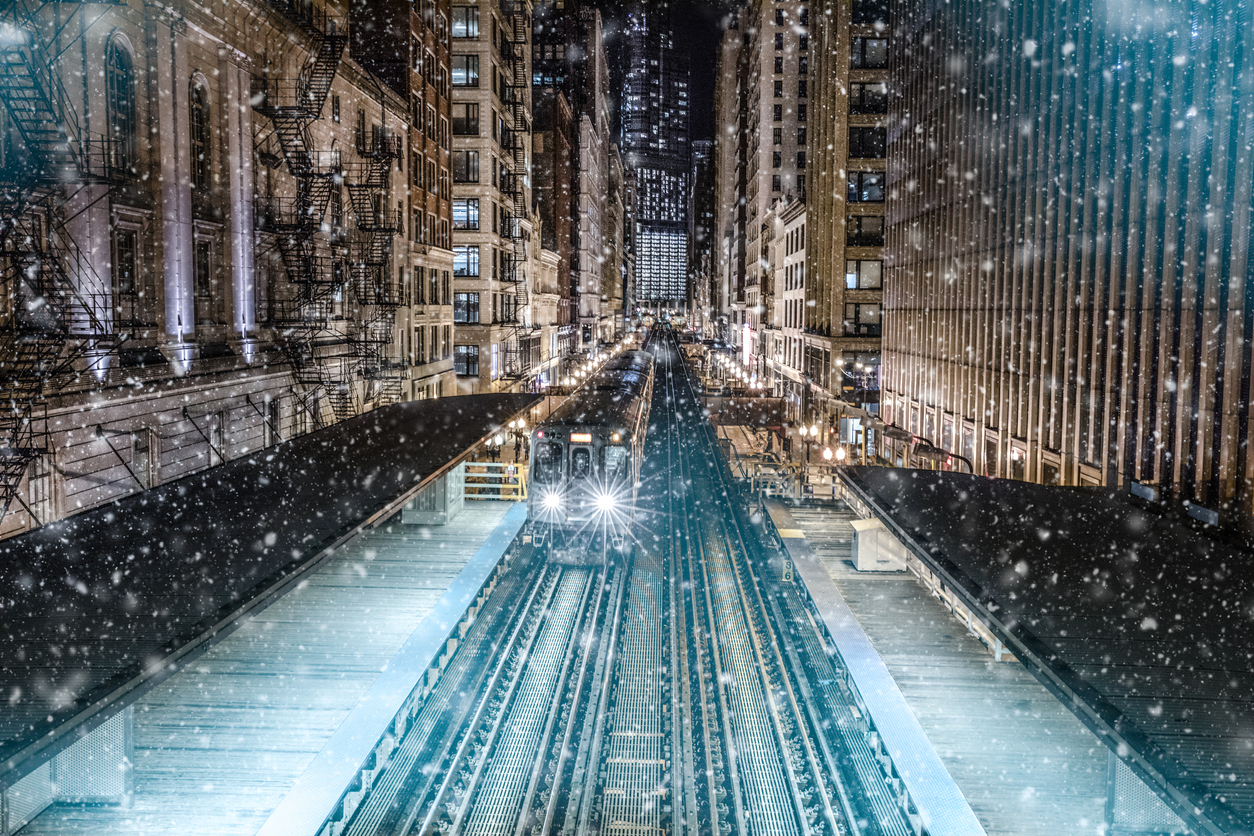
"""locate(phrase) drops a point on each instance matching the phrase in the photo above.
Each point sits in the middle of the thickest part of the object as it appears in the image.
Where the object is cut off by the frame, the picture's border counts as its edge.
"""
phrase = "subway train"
(585, 461)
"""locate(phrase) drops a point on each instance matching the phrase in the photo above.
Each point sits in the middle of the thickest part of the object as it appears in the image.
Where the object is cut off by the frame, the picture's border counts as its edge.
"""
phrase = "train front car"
(585, 464)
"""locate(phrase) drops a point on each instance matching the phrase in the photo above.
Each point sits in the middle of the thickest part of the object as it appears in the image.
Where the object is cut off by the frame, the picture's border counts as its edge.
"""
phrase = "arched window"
(199, 104)
(120, 90)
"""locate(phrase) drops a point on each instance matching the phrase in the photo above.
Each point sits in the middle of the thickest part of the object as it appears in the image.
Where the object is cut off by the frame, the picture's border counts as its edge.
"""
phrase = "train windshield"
(580, 463)
(614, 462)
(548, 462)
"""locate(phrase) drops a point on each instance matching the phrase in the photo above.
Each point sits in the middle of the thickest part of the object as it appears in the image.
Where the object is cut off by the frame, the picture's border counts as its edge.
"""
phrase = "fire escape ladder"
(377, 292)
(517, 359)
(303, 321)
(42, 309)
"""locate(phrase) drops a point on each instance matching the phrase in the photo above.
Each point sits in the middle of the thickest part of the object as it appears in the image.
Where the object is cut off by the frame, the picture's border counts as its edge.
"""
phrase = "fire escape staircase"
(296, 221)
(517, 357)
(42, 311)
(377, 292)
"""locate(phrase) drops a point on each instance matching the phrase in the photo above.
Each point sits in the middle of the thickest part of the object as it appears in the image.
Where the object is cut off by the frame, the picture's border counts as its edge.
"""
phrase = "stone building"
(219, 253)
(728, 305)
(1068, 290)
(847, 136)
(497, 341)
(776, 75)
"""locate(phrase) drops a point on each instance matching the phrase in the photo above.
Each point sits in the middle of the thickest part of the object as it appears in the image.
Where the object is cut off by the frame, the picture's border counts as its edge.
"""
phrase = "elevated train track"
(681, 690)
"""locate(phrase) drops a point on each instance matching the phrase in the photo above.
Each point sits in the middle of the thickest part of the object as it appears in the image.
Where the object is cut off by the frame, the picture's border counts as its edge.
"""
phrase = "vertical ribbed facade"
(1068, 292)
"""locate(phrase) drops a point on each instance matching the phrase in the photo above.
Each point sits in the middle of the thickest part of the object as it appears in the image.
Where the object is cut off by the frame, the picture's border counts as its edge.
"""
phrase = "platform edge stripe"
(941, 804)
(314, 796)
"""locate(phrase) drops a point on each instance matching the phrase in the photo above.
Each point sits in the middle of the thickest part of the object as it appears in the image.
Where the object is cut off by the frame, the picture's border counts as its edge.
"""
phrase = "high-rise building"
(775, 71)
(847, 128)
(1067, 298)
(729, 206)
(655, 137)
(701, 237)
(497, 342)
(570, 56)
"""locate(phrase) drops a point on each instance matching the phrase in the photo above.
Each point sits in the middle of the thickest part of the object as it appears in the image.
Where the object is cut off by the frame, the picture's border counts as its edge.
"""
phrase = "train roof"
(608, 394)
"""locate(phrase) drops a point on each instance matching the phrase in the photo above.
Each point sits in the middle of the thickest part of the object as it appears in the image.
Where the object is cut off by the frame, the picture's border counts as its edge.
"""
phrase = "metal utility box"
(875, 549)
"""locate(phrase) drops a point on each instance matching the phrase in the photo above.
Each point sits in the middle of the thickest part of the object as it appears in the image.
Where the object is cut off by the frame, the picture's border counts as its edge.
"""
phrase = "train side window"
(614, 462)
(548, 462)
(580, 463)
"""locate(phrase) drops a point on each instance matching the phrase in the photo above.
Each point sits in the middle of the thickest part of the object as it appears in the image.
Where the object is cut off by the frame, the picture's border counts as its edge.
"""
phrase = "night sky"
(698, 26)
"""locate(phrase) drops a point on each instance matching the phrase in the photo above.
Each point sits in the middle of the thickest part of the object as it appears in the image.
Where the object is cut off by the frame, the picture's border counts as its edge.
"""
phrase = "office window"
(801, 159)
(777, 136)
(779, 63)
(803, 64)
(867, 143)
(803, 43)
(433, 284)
(865, 231)
(466, 213)
(777, 113)
(120, 105)
(337, 207)
(127, 260)
(465, 261)
(199, 125)
(202, 269)
(465, 167)
(466, 360)
(862, 319)
(775, 183)
(801, 112)
(465, 70)
(779, 40)
(803, 87)
(868, 98)
(779, 17)
(335, 109)
(801, 183)
(866, 187)
(861, 274)
(804, 17)
(466, 308)
(870, 11)
(869, 53)
(801, 136)
(777, 159)
(465, 119)
(779, 89)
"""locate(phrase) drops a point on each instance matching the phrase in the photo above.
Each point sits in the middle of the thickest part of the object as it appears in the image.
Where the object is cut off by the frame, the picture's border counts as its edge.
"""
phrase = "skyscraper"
(656, 145)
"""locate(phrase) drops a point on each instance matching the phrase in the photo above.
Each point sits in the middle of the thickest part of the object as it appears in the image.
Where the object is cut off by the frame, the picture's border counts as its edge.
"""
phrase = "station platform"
(1134, 616)
(100, 608)
(1023, 762)
(219, 745)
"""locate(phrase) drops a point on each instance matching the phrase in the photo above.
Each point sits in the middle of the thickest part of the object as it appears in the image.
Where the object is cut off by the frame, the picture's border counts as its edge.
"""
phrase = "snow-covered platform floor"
(219, 744)
(1024, 763)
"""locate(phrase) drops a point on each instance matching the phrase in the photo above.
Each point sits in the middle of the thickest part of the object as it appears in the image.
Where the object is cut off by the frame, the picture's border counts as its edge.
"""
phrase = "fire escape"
(47, 318)
(304, 320)
(517, 348)
(376, 290)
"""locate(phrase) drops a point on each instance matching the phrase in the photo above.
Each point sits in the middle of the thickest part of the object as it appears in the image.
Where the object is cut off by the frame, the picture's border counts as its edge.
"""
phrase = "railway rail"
(683, 690)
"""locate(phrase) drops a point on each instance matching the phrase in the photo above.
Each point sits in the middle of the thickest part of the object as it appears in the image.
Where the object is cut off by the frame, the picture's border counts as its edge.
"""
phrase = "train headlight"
(552, 501)
(606, 503)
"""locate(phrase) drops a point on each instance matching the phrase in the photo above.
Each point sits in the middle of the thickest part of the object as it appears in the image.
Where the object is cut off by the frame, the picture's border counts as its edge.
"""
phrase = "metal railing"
(503, 481)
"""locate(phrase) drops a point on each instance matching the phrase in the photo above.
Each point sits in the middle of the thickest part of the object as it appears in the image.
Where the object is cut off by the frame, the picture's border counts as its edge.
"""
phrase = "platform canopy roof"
(1139, 619)
(96, 608)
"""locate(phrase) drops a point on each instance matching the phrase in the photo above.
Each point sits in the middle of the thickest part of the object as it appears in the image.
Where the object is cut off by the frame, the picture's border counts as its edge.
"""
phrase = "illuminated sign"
(581, 438)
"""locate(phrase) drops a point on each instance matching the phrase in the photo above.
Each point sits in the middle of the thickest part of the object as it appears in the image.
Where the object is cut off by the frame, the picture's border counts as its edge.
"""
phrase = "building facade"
(206, 267)
(656, 147)
(1068, 278)
(730, 114)
(497, 342)
(846, 199)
